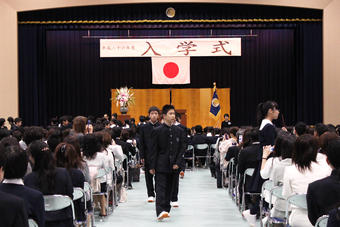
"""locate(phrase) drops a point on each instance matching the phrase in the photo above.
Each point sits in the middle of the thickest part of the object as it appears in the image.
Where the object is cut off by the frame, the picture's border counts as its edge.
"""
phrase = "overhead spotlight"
(170, 12)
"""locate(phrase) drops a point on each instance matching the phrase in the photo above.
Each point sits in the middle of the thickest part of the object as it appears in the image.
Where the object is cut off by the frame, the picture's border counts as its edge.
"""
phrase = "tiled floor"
(201, 205)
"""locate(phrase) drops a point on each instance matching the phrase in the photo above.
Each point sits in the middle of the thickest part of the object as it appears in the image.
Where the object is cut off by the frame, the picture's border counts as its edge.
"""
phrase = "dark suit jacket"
(233, 152)
(126, 147)
(34, 201)
(199, 139)
(167, 149)
(248, 159)
(322, 196)
(78, 180)
(12, 210)
(334, 220)
(63, 186)
(145, 139)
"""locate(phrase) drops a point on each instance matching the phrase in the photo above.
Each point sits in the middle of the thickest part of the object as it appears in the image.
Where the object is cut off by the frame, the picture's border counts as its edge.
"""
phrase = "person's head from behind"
(10, 120)
(248, 136)
(169, 115)
(178, 117)
(67, 157)
(4, 133)
(300, 128)
(198, 129)
(233, 132)
(91, 145)
(33, 133)
(226, 117)
(267, 110)
(325, 138)
(79, 124)
(320, 129)
(284, 145)
(74, 141)
(54, 138)
(333, 155)
(64, 121)
(16, 163)
(2, 122)
(18, 121)
(124, 135)
(305, 151)
(153, 114)
(114, 116)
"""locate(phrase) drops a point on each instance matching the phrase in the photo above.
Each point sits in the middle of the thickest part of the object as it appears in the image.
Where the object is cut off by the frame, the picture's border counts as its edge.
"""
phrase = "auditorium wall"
(9, 56)
(8, 61)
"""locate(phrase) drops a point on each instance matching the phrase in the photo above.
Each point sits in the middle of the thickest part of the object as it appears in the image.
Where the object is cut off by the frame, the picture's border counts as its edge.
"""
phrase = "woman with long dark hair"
(50, 180)
(68, 158)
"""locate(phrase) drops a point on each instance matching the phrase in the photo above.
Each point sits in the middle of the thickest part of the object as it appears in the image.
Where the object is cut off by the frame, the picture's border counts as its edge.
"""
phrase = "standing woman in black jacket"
(266, 113)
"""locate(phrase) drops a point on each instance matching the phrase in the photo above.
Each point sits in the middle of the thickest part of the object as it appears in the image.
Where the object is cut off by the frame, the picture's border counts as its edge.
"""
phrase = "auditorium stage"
(201, 204)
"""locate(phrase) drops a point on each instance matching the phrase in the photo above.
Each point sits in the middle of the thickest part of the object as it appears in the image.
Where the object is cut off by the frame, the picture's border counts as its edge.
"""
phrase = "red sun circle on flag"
(170, 70)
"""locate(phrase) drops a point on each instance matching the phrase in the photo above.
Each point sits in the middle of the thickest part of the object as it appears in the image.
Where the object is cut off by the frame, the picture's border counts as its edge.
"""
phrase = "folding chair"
(322, 221)
(202, 150)
(210, 153)
(277, 193)
(190, 155)
(248, 172)
(231, 176)
(32, 223)
(79, 193)
(299, 201)
(100, 174)
(267, 186)
(89, 197)
(58, 202)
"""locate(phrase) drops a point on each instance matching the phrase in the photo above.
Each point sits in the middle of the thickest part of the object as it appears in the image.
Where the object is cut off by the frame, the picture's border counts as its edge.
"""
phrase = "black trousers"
(174, 193)
(164, 187)
(149, 183)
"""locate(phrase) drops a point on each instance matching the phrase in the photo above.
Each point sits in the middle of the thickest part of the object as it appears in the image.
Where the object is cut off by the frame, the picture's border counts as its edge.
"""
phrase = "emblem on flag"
(215, 108)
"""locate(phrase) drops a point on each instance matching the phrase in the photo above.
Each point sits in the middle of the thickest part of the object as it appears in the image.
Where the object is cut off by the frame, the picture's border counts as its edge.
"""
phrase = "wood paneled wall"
(196, 102)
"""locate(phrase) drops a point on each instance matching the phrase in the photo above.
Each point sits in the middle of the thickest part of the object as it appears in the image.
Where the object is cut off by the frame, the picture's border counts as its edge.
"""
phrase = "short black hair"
(18, 119)
(333, 153)
(300, 128)
(178, 116)
(33, 133)
(10, 120)
(141, 118)
(4, 133)
(198, 129)
(16, 163)
(115, 115)
(305, 151)
(153, 108)
(2, 122)
(233, 130)
(167, 108)
(63, 118)
(91, 145)
(284, 145)
(226, 115)
(320, 129)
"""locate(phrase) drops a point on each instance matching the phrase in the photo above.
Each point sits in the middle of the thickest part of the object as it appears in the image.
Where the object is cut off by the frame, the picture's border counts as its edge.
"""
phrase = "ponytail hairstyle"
(44, 165)
(333, 155)
(262, 110)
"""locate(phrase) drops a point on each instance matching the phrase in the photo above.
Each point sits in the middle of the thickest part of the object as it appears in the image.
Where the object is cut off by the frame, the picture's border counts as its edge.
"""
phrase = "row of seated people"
(37, 166)
(300, 162)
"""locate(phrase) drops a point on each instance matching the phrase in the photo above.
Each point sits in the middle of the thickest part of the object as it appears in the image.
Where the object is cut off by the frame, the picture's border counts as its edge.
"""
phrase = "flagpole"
(170, 95)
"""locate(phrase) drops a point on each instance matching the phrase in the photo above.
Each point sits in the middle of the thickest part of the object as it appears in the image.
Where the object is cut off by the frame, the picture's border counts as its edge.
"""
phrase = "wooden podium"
(183, 116)
(123, 117)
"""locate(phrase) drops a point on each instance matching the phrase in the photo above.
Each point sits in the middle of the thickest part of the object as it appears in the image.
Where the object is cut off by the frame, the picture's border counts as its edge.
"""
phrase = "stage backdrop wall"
(196, 103)
(60, 71)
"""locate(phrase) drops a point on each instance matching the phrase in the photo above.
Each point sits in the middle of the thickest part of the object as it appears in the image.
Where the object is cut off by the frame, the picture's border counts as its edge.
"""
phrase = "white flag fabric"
(170, 70)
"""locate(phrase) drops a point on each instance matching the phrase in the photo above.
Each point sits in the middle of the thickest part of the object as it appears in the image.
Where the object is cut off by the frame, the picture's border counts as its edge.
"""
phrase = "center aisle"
(200, 204)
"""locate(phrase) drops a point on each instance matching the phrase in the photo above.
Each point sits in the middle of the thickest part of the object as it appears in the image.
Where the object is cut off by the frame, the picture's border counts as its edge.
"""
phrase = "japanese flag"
(170, 70)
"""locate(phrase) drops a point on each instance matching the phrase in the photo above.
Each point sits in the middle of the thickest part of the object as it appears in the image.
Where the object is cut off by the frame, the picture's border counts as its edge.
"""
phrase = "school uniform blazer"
(322, 196)
(12, 210)
(62, 186)
(34, 201)
(199, 139)
(168, 148)
(145, 139)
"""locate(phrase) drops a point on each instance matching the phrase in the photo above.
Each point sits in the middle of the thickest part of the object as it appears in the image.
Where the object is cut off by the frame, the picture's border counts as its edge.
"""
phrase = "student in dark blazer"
(15, 169)
(50, 181)
(324, 195)
(199, 138)
(145, 140)
(165, 159)
(12, 210)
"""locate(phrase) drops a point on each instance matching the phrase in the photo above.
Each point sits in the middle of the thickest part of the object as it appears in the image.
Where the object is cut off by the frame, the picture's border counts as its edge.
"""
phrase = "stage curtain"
(196, 102)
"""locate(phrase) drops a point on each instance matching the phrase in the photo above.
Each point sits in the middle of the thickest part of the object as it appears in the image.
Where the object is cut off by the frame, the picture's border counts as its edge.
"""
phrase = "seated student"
(199, 138)
(15, 168)
(50, 181)
(324, 195)
(300, 128)
(304, 171)
(12, 210)
(68, 158)
(95, 161)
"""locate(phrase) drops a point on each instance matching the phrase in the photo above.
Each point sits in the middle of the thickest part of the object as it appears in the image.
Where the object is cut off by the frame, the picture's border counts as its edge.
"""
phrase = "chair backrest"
(213, 146)
(58, 202)
(190, 147)
(202, 146)
(32, 223)
(101, 173)
(78, 193)
(277, 192)
(249, 172)
(298, 200)
(268, 185)
(88, 191)
(322, 221)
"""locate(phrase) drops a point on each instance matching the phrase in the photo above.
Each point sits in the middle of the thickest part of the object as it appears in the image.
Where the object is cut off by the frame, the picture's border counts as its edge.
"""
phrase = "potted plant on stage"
(124, 97)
